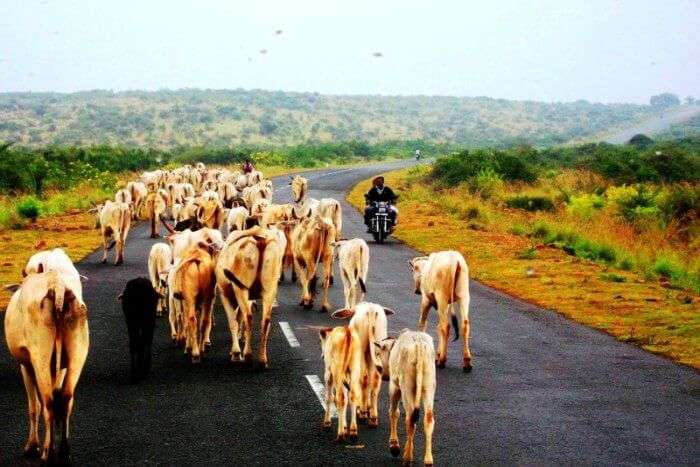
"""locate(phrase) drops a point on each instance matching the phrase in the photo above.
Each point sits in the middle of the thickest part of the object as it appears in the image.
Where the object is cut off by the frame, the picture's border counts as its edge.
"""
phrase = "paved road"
(655, 124)
(543, 391)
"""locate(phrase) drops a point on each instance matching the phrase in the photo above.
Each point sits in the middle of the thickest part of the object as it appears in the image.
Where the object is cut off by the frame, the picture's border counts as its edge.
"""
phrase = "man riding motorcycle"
(380, 192)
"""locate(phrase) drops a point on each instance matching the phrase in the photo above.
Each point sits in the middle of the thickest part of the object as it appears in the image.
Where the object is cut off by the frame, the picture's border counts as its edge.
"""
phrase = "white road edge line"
(320, 392)
(289, 334)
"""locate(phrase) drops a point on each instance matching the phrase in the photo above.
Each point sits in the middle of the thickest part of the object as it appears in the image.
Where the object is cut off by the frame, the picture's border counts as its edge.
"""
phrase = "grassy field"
(516, 251)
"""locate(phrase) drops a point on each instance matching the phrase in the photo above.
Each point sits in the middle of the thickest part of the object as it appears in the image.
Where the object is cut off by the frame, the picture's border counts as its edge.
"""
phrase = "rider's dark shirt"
(386, 195)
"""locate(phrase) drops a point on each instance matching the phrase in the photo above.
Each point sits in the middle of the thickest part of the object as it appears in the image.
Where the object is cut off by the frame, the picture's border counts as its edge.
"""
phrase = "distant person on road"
(248, 166)
(417, 154)
(380, 192)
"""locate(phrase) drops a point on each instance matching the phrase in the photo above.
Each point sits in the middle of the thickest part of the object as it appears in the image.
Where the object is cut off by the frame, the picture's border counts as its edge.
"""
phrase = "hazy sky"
(608, 51)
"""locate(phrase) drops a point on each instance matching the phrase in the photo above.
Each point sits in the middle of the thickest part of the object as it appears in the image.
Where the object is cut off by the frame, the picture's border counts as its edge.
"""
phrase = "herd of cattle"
(46, 323)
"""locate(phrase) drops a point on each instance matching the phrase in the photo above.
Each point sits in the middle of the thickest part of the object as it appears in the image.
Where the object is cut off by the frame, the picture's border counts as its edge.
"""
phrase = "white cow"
(329, 208)
(443, 279)
(353, 261)
(159, 263)
(114, 220)
(235, 220)
(409, 360)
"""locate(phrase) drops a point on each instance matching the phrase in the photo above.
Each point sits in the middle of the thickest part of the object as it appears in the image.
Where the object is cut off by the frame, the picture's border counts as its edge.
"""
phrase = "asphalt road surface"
(544, 390)
(655, 124)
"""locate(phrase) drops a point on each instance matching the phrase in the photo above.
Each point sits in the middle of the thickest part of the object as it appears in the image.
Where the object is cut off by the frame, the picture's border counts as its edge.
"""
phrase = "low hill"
(167, 119)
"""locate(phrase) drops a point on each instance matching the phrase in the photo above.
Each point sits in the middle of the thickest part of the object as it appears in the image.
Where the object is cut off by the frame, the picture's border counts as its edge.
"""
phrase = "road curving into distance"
(544, 390)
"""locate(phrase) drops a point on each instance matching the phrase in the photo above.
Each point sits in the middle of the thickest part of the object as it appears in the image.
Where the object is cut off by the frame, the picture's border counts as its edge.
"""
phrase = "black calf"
(139, 301)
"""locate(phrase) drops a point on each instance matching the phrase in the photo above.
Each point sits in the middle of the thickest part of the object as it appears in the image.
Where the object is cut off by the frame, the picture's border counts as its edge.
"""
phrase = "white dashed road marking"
(320, 391)
(289, 334)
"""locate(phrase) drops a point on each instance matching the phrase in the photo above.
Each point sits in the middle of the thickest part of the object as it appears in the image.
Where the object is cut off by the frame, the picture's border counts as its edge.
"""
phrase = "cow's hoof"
(207, 346)
(362, 419)
(340, 439)
(439, 364)
(262, 365)
(331, 280)
(467, 368)
(406, 463)
(235, 357)
(373, 422)
(119, 262)
(31, 451)
(324, 309)
(326, 426)
(353, 437)
(308, 305)
(196, 359)
(395, 450)
(155, 236)
(428, 464)
(104, 261)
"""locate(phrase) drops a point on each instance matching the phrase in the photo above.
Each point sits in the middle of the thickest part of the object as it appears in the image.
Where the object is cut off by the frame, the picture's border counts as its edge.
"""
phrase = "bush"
(29, 208)
(517, 229)
(487, 182)
(540, 230)
(528, 253)
(611, 277)
(584, 206)
(530, 203)
(681, 203)
(638, 204)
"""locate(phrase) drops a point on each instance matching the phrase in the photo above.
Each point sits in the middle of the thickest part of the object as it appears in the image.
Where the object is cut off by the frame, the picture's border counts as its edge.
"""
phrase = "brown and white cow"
(248, 269)
(193, 285)
(138, 193)
(114, 221)
(442, 279)
(159, 263)
(409, 361)
(342, 358)
(369, 321)
(311, 244)
(46, 330)
(353, 262)
(329, 208)
(154, 205)
(302, 205)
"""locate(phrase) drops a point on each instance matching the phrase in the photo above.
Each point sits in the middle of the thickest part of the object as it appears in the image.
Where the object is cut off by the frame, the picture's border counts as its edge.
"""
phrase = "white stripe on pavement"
(289, 334)
(320, 392)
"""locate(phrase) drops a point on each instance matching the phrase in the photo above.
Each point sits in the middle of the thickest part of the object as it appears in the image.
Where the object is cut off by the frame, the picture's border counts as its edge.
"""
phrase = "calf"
(248, 269)
(409, 361)
(139, 300)
(114, 220)
(160, 260)
(353, 260)
(443, 279)
(370, 323)
(138, 193)
(236, 219)
(46, 330)
(311, 243)
(342, 357)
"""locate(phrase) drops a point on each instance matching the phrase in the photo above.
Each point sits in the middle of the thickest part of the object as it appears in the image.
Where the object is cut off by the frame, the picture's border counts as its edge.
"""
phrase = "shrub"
(517, 229)
(584, 206)
(611, 277)
(487, 182)
(638, 204)
(540, 230)
(528, 253)
(29, 208)
(666, 267)
(530, 203)
(626, 264)
(681, 203)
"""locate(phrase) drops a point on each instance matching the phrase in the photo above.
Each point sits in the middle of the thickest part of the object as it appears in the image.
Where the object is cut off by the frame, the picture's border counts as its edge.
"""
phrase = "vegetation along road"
(544, 390)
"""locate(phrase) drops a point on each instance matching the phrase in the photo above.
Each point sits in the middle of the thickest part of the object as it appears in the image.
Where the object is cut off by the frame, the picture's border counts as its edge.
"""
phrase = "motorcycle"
(380, 225)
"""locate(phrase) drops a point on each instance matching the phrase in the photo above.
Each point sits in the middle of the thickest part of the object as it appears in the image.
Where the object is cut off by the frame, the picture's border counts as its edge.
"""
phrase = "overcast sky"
(607, 51)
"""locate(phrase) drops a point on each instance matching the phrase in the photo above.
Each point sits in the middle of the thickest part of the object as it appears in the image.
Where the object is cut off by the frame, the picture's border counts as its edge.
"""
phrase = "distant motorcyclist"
(380, 192)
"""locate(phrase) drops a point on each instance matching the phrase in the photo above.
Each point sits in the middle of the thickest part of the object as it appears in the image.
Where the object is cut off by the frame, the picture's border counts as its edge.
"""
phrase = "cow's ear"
(83, 278)
(121, 296)
(389, 311)
(410, 265)
(40, 268)
(12, 287)
(343, 313)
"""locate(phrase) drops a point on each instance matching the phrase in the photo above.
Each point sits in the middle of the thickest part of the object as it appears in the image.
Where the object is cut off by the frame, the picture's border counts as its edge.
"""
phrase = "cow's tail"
(57, 288)
(453, 298)
(420, 369)
(362, 273)
(372, 339)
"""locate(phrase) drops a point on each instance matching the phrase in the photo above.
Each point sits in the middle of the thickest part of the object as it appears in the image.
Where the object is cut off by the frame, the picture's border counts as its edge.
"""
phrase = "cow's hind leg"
(245, 308)
(31, 449)
(443, 331)
(394, 396)
(232, 311)
(375, 384)
(341, 405)
(328, 379)
(411, 420)
(463, 304)
(265, 320)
